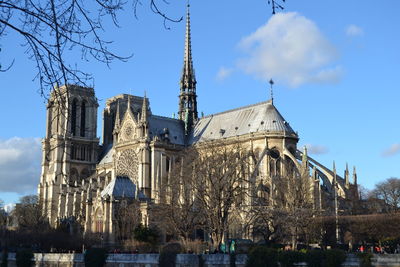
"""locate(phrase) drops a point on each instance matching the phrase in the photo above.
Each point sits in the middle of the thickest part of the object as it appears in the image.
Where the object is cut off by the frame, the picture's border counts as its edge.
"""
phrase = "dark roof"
(159, 125)
(261, 117)
(120, 187)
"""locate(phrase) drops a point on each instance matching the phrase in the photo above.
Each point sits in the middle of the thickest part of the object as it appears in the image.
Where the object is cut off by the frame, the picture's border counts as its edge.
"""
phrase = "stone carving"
(128, 131)
(127, 164)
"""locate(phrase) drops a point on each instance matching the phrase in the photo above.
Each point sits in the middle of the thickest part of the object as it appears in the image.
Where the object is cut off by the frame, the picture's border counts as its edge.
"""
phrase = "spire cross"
(271, 82)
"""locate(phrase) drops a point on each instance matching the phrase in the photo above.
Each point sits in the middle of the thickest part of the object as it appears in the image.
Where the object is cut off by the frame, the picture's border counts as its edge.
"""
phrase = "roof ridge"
(164, 117)
(239, 108)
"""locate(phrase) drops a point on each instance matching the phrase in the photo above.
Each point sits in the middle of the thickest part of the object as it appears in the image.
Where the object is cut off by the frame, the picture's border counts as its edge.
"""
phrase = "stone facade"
(84, 181)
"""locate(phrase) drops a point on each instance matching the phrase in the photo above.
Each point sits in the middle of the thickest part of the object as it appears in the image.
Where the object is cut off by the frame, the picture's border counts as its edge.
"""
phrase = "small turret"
(354, 175)
(334, 182)
(304, 162)
(129, 104)
(144, 117)
(314, 174)
(117, 125)
(346, 176)
(304, 158)
(144, 113)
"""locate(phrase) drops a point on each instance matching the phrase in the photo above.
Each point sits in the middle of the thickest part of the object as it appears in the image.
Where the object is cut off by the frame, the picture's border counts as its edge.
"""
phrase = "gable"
(128, 127)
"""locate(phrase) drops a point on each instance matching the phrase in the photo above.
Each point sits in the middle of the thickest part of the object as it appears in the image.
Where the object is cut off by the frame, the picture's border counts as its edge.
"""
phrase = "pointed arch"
(83, 118)
(73, 176)
(85, 173)
(98, 221)
(74, 114)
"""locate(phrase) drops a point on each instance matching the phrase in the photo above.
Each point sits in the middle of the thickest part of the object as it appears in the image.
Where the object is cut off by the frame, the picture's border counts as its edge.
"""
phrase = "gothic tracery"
(127, 164)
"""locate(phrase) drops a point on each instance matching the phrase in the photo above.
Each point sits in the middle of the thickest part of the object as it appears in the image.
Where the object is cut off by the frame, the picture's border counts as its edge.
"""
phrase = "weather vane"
(271, 82)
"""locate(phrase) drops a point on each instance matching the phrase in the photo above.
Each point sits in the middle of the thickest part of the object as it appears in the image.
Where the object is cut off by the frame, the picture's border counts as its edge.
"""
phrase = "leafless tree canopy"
(207, 184)
(288, 214)
(180, 213)
(129, 217)
(28, 214)
(53, 29)
(389, 192)
(276, 5)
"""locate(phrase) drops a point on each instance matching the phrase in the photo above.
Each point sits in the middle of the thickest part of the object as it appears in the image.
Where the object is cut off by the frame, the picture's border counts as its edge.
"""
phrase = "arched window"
(84, 174)
(83, 118)
(98, 221)
(167, 162)
(73, 176)
(263, 193)
(278, 166)
(73, 116)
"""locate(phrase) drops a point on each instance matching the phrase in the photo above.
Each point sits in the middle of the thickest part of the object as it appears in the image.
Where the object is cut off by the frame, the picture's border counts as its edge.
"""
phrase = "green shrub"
(365, 259)
(24, 258)
(145, 234)
(288, 258)
(168, 254)
(4, 258)
(95, 257)
(262, 256)
(326, 258)
(232, 260)
(202, 261)
(335, 257)
(315, 258)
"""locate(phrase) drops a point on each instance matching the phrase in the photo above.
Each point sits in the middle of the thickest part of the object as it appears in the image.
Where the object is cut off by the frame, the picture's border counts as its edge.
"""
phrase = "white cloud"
(223, 73)
(316, 149)
(354, 30)
(20, 160)
(9, 207)
(392, 150)
(289, 48)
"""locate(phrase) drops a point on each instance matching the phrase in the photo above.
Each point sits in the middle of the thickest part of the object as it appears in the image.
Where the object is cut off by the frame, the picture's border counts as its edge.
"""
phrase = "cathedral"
(84, 179)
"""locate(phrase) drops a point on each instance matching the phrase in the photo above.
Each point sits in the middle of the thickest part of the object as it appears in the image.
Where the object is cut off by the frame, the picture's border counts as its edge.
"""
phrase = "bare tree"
(287, 210)
(371, 228)
(296, 201)
(3, 216)
(129, 217)
(276, 5)
(52, 29)
(389, 192)
(179, 213)
(219, 176)
(29, 215)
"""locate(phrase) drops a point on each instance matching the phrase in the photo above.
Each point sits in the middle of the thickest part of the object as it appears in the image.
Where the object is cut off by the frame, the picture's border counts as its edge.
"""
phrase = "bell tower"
(70, 148)
(187, 97)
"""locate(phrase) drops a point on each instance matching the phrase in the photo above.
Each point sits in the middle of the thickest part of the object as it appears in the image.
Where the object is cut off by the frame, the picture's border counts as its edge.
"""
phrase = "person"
(362, 249)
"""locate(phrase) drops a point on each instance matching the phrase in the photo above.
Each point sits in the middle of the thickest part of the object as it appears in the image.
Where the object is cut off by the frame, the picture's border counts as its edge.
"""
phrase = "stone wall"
(130, 260)
(182, 260)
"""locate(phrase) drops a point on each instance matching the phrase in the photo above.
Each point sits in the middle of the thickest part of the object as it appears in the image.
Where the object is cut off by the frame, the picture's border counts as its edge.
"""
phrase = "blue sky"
(335, 66)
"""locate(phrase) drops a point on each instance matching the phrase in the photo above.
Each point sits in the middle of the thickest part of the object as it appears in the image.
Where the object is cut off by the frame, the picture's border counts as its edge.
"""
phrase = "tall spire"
(188, 80)
(187, 97)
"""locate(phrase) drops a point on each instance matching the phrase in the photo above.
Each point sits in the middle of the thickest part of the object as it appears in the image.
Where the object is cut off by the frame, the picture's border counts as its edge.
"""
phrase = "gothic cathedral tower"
(187, 97)
(70, 148)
